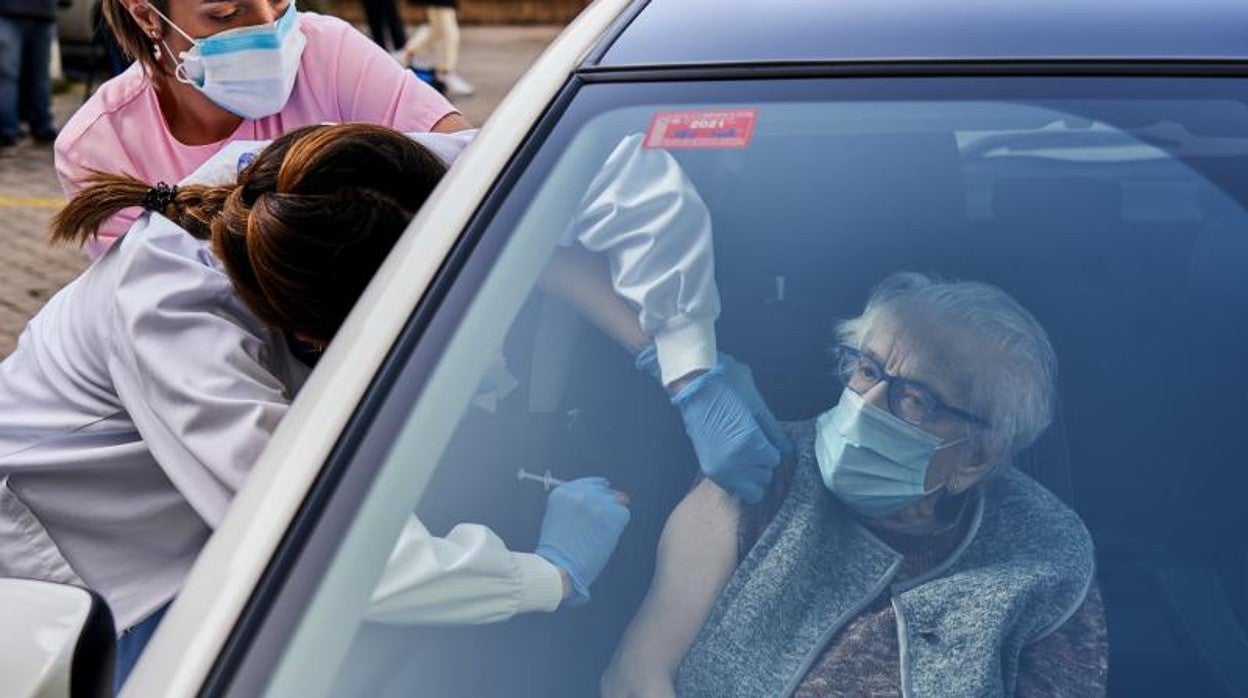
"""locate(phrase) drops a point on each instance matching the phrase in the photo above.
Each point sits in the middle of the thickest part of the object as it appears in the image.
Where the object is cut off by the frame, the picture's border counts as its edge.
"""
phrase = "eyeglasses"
(910, 400)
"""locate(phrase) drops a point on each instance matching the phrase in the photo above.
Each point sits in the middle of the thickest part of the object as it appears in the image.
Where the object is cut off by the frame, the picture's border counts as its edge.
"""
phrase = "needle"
(549, 482)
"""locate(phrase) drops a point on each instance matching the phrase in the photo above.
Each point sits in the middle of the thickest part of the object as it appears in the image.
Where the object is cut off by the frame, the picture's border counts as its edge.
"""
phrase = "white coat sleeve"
(645, 214)
(468, 577)
(223, 167)
(193, 368)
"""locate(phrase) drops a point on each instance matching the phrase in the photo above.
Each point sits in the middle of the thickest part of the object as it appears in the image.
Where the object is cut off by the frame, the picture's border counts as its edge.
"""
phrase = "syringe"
(549, 482)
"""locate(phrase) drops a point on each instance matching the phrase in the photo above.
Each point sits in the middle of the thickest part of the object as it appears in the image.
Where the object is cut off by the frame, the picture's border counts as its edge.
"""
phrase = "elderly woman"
(899, 554)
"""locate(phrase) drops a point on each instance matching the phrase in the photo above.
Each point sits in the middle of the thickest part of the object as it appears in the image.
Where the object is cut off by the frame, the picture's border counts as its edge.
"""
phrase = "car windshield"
(1104, 218)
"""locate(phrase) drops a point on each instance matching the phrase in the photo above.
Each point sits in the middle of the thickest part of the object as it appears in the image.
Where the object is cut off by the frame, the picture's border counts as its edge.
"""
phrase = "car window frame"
(279, 601)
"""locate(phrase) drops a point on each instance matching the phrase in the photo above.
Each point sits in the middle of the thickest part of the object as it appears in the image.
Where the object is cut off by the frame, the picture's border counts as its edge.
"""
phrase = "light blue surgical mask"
(248, 71)
(873, 461)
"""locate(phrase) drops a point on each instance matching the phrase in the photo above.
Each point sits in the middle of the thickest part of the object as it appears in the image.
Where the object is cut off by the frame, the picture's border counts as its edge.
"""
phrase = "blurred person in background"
(384, 22)
(442, 33)
(27, 30)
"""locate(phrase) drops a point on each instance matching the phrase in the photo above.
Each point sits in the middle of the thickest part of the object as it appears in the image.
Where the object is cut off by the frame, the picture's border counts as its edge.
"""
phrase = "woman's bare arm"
(580, 278)
(697, 554)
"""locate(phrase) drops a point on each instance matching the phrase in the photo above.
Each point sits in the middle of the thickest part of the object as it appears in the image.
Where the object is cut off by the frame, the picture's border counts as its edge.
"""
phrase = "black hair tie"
(159, 197)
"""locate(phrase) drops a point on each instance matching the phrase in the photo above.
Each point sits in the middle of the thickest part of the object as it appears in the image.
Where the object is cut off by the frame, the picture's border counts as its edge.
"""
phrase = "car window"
(1113, 210)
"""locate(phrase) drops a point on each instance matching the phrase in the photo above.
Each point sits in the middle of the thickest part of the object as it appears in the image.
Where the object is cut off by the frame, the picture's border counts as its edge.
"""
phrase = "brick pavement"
(30, 271)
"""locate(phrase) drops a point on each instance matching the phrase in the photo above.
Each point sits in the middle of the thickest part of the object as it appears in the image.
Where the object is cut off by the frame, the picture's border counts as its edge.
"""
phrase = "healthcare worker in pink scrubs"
(208, 72)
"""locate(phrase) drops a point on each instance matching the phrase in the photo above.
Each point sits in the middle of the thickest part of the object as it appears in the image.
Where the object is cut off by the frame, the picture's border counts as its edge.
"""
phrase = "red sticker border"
(701, 129)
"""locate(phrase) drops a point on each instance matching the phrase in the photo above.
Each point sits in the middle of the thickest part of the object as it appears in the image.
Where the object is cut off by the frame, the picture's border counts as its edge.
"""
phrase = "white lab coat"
(642, 211)
(130, 413)
(138, 399)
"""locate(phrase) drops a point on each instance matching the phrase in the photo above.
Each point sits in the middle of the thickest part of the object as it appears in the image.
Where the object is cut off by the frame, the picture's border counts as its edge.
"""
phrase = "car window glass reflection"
(964, 318)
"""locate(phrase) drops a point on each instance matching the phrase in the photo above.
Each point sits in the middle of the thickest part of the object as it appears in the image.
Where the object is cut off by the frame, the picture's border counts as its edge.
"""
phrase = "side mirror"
(58, 641)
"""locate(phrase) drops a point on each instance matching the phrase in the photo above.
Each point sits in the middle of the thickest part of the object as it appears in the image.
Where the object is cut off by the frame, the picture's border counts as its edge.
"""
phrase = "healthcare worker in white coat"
(138, 399)
(140, 396)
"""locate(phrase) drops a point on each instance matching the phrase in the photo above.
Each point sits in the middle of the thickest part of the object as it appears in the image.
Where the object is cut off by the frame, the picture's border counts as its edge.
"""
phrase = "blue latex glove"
(731, 446)
(582, 525)
(741, 378)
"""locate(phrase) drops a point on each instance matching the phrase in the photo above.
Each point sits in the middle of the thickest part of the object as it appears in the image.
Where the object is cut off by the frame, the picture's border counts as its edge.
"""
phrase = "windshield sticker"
(732, 128)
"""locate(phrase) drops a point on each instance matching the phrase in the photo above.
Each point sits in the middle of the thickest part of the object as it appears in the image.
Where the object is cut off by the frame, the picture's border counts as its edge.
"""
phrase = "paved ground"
(493, 58)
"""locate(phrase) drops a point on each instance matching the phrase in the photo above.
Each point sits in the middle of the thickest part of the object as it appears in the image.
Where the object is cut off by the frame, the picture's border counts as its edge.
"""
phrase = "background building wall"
(479, 11)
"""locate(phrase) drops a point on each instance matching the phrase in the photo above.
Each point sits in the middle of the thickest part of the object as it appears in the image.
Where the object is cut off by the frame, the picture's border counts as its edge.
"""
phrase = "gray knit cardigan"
(1023, 569)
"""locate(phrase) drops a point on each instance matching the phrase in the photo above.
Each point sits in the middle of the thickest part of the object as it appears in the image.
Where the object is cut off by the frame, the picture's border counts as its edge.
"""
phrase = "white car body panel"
(48, 619)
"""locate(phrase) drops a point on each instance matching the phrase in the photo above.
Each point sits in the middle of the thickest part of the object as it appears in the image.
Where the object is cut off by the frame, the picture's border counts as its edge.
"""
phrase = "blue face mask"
(871, 460)
(249, 71)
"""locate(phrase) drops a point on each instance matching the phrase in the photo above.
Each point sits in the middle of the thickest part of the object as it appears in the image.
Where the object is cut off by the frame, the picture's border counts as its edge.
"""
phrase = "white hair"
(1013, 374)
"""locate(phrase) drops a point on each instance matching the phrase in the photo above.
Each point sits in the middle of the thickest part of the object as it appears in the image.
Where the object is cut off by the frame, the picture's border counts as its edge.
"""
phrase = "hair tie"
(159, 197)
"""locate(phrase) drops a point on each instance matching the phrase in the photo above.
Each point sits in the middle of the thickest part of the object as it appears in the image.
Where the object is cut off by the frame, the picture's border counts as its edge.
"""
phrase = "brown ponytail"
(192, 207)
(305, 227)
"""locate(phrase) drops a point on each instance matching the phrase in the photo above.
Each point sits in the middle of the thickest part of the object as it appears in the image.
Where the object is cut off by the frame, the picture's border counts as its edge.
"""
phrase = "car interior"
(1132, 262)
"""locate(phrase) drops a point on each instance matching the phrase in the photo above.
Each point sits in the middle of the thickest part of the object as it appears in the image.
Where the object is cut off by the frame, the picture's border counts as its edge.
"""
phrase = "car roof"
(688, 32)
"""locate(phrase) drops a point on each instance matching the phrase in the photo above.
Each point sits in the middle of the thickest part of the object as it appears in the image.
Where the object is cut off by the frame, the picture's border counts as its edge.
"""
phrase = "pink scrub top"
(343, 77)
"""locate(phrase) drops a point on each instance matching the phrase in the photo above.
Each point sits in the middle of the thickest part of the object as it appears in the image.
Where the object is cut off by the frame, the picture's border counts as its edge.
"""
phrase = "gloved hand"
(583, 522)
(731, 446)
(741, 378)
